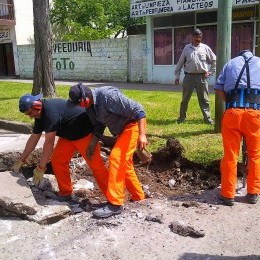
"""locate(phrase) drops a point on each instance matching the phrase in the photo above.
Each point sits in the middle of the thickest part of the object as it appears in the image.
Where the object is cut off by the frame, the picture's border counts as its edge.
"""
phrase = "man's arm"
(47, 149)
(179, 66)
(30, 146)
(212, 61)
(142, 140)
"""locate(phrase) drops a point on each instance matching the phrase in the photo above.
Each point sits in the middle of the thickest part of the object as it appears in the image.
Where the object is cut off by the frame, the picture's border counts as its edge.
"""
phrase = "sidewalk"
(121, 85)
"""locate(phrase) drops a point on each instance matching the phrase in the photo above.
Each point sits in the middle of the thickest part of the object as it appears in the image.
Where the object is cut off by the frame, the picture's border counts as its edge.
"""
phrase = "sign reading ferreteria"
(140, 8)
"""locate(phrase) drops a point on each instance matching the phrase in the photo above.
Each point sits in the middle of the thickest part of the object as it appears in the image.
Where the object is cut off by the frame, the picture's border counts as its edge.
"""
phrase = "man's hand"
(17, 165)
(142, 142)
(177, 82)
(38, 175)
(208, 74)
(91, 147)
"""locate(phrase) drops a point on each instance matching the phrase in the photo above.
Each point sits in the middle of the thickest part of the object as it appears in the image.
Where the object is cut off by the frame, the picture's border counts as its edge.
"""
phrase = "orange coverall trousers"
(62, 154)
(238, 123)
(121, 169)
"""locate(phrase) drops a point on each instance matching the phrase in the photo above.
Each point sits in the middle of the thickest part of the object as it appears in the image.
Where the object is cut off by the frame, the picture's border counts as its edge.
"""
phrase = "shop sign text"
(81, 46)
(140, 8)
(4, 34)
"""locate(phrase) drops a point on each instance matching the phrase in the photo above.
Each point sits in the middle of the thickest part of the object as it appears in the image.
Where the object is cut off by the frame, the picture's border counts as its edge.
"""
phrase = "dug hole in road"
(181, 218)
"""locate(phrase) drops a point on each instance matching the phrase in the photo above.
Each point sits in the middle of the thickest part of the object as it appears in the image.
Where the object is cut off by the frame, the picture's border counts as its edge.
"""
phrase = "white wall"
(97, 60)
(100, 60)
(24, 21)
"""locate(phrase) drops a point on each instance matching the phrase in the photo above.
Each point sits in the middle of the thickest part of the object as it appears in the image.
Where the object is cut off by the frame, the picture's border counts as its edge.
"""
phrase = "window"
(210, 36)
(242, 38)
(163, 47)
(206, 17)
(174, 20)
(182, 36)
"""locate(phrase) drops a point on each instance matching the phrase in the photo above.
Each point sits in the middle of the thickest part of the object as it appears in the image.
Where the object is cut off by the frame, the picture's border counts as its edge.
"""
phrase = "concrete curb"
(19, 127)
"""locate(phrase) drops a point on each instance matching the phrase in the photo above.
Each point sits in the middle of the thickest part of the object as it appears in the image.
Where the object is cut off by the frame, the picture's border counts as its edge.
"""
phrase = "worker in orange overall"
(62, 118)
(126, 119)
(239, 86)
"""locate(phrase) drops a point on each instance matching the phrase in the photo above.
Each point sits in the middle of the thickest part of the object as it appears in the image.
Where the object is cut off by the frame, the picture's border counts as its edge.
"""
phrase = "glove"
(38, 175)
(17, 165)
(91, 147)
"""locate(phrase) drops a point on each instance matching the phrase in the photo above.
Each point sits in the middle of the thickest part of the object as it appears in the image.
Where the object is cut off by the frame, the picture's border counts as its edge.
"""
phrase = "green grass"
(200, 142)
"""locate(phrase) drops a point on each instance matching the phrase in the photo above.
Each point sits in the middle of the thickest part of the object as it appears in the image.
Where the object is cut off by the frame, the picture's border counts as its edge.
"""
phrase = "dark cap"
(79, 91)
(27, 100)
(197, 32)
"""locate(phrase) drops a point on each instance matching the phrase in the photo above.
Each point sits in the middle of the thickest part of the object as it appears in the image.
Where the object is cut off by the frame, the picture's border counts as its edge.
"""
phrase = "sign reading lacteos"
(140, 8)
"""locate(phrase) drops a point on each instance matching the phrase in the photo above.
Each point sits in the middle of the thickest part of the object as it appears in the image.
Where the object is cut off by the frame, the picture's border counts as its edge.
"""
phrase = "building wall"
(8, 36)
(244, 23)
(24, 21)
(100, 60)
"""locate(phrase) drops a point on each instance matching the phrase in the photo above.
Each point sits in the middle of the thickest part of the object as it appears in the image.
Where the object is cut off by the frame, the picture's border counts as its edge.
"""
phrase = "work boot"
(252, 198)
(180, 120)
(227, 201)
(209, 121)
(68, 198)
(95, 206)
(108, 211)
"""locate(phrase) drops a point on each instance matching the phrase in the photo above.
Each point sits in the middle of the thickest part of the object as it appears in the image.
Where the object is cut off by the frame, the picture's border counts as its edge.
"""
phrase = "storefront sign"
(5, 34)
(140, 8)
(243, 14)
(81, 46)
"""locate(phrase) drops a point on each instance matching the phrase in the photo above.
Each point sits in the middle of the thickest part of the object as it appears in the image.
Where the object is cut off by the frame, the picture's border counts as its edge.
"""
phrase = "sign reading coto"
(64, 47)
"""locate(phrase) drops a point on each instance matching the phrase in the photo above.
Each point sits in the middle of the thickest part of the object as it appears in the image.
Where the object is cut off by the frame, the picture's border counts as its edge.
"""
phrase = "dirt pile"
(171, 173)
(168, 174)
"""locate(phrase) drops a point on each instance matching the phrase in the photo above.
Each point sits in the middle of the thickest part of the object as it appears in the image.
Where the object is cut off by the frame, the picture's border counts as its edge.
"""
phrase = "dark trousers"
(200, 83)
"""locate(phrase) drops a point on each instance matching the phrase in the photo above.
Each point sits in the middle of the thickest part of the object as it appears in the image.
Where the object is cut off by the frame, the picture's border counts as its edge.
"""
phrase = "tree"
(43, 70)
(92, 19)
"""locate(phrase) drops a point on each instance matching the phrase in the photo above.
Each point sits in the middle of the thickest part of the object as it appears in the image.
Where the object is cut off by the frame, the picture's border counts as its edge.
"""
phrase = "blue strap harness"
(243, 97)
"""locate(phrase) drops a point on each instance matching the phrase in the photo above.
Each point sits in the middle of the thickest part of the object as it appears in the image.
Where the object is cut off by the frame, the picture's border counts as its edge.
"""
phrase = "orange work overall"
(121, 169)
(238, 123)
(62, 155)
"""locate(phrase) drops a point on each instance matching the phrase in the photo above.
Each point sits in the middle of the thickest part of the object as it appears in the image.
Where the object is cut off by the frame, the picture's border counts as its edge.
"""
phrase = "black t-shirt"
(68, 120)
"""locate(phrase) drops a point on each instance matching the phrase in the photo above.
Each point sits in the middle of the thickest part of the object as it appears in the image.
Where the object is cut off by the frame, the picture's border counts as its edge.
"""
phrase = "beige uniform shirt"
(196, 60)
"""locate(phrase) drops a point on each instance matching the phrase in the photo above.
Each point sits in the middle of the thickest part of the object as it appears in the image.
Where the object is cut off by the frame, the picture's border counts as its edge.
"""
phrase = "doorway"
(6, 60)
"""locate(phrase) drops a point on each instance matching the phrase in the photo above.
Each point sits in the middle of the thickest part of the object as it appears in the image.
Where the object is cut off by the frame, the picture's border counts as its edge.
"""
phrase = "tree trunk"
(43, 81)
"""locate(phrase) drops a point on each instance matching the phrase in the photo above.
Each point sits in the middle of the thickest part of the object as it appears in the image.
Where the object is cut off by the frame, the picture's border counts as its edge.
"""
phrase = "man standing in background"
(196, 58)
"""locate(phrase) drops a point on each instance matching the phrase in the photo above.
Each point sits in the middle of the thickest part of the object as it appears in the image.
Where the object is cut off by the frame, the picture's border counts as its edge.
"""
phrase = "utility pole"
(223, 51)
(258, 38)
